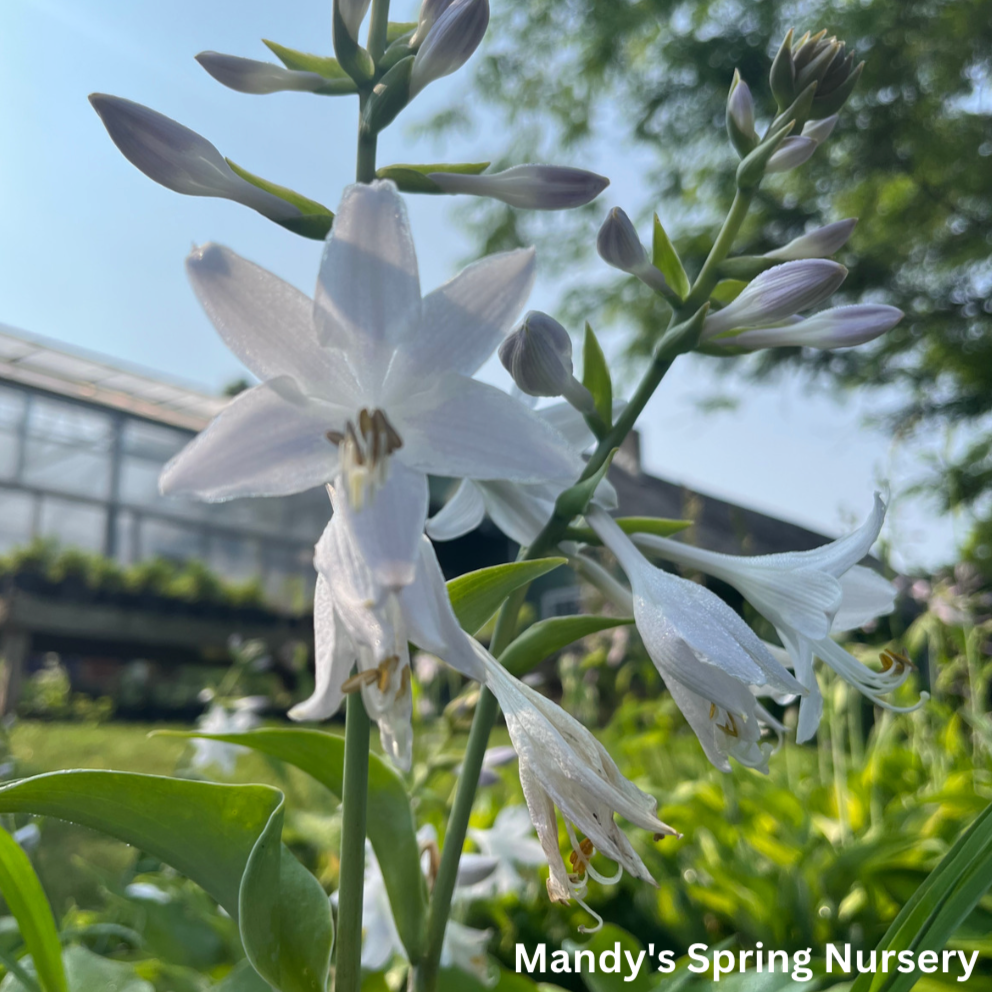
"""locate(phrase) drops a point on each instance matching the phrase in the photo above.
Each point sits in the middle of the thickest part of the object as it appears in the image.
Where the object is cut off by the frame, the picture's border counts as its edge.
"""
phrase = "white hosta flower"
(180, 159)
(528, 187)
(563, 767)
(353, 13)
(820, 130)
(223, 719)
(495, 757)
(618, 245)
(369, 381)
(807, 595)
(708, 656)
(355, 622)
(252, 76)
(511, 844)
(838, 327)
(450, 42)
(777, 294)
(792, 152)
(519, 511)
(820, 243)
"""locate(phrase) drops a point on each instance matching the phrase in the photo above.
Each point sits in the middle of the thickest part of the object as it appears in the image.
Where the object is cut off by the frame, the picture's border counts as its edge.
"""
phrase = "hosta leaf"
(88, 972)
(666, 259)
(397, 29)
(596, 376)
(546, 637)
(224, 837)
(390, 824)
(26, 899)
(476, 596)
(659, 526)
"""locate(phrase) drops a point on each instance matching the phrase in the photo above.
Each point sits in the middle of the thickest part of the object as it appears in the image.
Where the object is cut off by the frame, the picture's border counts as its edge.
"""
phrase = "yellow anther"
(385, 671)
(360, 680)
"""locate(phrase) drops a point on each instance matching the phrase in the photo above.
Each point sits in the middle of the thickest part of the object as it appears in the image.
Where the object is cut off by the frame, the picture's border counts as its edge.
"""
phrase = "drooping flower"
(528, 187)
(369, 381)
(710, 659)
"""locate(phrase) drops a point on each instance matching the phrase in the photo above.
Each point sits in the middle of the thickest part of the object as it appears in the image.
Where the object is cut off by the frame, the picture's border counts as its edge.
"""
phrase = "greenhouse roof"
(42, 364)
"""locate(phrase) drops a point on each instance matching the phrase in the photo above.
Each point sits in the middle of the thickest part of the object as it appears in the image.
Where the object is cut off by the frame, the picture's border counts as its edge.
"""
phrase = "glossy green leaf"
(390, 824)
(242, 978)
(612, 939)
(939, 906)
(316, 219)
(476, 596)
(574, 501)
(659, 526)
(323, 65)
(224, 837)
(26, 899)
(596, 376)
(546, 637)
(727, 290)
(88, 972)
(666, 259)
(413, 178)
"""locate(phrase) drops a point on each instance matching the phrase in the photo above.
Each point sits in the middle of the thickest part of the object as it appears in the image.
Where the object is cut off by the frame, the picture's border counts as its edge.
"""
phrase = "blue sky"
(93, 250)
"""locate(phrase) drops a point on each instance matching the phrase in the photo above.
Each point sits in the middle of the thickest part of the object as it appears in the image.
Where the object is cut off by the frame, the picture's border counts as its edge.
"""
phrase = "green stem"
(378, 29)
(707, 277)
(354, 795)
(365, 165)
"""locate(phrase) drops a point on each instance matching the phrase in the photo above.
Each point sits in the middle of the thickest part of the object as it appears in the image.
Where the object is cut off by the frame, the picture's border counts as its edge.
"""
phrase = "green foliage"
(547, 637)
(316, 219)
(88, 972)
(596, 376)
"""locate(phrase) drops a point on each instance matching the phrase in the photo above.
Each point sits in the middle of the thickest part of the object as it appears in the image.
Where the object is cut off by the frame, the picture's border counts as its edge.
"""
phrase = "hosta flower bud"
(538, 354)
(450, 42)
(791, 152)
(777, 294)
(353, 13)
(819, 131)
(740, 116)
(820, 243)
(430, 11)
(618, 245)
(814, 59)
(180, 159)
(252, 76)
(529, 187)
(839, 327)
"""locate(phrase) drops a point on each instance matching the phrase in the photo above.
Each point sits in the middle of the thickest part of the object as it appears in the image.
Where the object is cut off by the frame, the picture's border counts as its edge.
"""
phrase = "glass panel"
(15, 518)
(236, 559)
(145, 450)
(75, 525)
(68, 448)
(11, 416)
(167, 540)
(289, 577)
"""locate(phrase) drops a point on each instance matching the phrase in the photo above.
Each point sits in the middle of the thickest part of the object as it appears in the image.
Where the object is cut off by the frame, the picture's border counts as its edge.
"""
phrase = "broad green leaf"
(304, 62)
(397, 29)
(390, 824)
(413, 178)
(242, 978)
(546, 637)
(596, 376)
(27, 901)
(659, 526)
(727, 290)
(612, 940)
(476, 596)
(88, 972)
(939, 906)
(224, 837)
(316, 219)
(666, 258)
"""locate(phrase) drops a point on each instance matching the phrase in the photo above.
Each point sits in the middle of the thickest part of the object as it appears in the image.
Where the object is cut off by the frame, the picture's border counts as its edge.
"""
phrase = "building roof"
(42, 364)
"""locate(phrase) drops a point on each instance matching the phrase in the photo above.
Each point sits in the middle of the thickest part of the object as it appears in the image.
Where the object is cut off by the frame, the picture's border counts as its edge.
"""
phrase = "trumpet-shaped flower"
(369, 381)
(806, 595)
(528, 187)
(564, 767)
(710, 659)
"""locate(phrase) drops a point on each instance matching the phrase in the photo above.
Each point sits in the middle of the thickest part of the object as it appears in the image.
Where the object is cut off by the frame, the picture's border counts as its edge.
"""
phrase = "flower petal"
(463, 512)
(461, 428)
(465, 319)
(866, 595)
(368, 291)
(519, 511)
(270, 441)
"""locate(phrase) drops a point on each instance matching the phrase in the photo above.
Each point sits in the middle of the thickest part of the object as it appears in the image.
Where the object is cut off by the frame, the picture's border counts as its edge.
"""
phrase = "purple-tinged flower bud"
(618, 245)
(819, 131)
(529, 187)
(538, 354)
(353, 13)
(180, 159)
(252, 76)
(791, 152)
(821, 243)
(430, 11)
(839, 327)
(740, 116)
(450, 42)
(777, 294)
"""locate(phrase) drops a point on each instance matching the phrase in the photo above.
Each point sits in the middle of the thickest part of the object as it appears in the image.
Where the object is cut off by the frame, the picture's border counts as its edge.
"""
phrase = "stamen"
(385, 671)
(365, 450)
(359, 681)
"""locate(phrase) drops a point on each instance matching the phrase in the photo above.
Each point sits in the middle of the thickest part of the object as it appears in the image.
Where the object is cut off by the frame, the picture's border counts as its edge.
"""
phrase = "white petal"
(464, 320)
(466, 429)
(811, 705)
(270, 441)
(368, 291)
(545, 820)
(475, 868)
(696, 711)
(463, 512)
(519, 511)
(267, 323)
(334, 656)
(866, 595)
(840, 555)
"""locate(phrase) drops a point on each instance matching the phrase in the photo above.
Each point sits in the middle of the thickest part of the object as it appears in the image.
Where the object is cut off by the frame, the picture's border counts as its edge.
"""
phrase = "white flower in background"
(776, 295)
(838, 327)
(519, 511)
(564, 767)
(820, 243)
(237, 718)
(807, 595)
(511, 844)
(710, 659)
(495, 757)
(253, 76)
(147, 892)
(450, 42)
(180, 159)
(355, 623)
(528, 187)
(369, 381)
